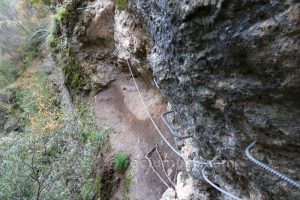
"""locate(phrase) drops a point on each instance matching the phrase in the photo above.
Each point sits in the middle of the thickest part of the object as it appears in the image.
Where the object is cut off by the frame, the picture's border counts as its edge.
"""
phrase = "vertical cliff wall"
(232, 68)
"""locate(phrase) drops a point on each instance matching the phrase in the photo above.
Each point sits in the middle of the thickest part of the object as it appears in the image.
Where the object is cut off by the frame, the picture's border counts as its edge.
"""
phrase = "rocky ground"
(120, 108)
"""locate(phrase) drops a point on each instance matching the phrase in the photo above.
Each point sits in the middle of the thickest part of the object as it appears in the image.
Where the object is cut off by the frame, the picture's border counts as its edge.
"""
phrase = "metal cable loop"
(206, 164)
(155, 171)
(185, 159)
(269, 169)
(158, 130)
(216, 187)
(163, 166)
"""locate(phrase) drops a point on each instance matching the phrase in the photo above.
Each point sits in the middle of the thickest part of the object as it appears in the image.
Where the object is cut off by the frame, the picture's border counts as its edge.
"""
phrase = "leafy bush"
(121, 5)
(87, 191)
(121, 162)
(128, 182)
(49, 147)
(61, 13)
(45, 157)
(8, 72)
(48, 2)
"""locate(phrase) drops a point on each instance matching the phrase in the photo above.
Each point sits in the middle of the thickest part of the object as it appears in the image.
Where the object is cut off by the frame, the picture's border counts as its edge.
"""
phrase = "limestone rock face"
(232, 68)
(100, 25)
(187, 188)
(89, 32)
(169, 194)
(102, 39)
(131, 41)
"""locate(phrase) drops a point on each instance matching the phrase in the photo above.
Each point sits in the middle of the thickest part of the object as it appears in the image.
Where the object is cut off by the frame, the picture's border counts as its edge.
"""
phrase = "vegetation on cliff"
(49, 148)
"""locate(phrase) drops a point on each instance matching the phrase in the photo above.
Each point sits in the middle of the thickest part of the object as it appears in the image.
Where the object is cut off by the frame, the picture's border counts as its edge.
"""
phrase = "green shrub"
(121, 162)
(9, 71)
(48, 145)
(53, 42)
(52, 38)
(121, 5)
(47, 2)
(51, 151)
(97, 186)
(87, 192)
(61, 13)
(45, 153)
(128, 182)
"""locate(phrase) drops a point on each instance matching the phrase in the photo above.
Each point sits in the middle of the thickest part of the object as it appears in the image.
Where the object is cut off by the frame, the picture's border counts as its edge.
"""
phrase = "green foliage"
(91, 190)
(53, 41)
(61, 13)
(77, 73)
(51, 151)
(45, 157)
(49, 146)
(15, 169)
(30, 52)
(56, 19)
(121, 162)
(121, 4)
(87, 192)
(73, 73)
(97, 186)
(9, 71)
(92, 135)
(90, 131)
(128, 182)
(47, 2)
(53, 24)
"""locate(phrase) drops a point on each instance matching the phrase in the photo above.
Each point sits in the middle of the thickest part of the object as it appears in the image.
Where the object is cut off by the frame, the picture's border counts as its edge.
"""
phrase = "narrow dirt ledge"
(119, 107)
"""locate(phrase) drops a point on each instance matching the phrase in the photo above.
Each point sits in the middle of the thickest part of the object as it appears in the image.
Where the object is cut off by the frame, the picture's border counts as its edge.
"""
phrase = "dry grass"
(38, 101)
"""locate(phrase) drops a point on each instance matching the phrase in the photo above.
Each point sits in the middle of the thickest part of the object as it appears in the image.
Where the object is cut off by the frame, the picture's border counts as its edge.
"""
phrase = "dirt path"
(119, 107)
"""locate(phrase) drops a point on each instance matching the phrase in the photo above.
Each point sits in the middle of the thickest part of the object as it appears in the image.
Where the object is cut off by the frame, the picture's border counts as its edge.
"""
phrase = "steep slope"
(230, 69)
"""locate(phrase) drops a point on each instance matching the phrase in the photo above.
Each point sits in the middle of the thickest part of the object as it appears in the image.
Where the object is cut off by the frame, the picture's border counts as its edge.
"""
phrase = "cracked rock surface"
(230, 70)
(233, 69)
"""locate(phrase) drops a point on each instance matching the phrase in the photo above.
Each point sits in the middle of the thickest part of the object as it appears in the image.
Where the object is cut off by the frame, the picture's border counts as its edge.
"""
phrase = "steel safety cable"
(154, 170)
(163, 166)
(269, 169)
(206, 164)
(163, 117)
(158, 130)
(216, 187)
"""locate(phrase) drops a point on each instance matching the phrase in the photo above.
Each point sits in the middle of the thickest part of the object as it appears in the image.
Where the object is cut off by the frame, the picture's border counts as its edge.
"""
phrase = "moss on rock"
(82, 75)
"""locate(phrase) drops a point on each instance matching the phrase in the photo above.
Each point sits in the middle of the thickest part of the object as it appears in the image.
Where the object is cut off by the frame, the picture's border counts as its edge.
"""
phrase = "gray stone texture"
(233, 69)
